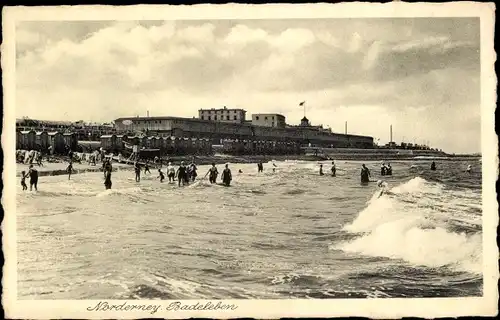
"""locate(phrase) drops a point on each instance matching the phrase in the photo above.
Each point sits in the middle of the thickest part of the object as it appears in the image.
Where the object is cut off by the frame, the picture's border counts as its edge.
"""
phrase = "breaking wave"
(407, 223)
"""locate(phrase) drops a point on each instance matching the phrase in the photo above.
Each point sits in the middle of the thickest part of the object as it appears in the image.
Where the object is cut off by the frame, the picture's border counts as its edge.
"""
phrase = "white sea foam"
(403, 230)
(118, 191)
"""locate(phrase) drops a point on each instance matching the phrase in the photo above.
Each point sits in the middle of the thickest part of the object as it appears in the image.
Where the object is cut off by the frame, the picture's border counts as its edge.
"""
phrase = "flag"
(302, 103)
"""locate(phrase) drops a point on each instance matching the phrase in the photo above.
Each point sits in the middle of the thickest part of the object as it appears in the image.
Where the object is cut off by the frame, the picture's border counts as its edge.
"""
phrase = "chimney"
(346, 127)
(391, 133)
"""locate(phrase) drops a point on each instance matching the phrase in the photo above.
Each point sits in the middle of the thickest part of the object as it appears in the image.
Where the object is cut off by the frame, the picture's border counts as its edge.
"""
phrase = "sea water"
(284, 234)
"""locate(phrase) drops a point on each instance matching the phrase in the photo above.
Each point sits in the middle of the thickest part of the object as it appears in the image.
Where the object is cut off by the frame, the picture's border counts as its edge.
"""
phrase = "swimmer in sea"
(212, 173)
(260, 167)
(69, 169)
(334, 169)
(383, 169)
(433, 166)
(469, 169)
(383, 185)
(389, 170)
(33, 174)
(274, 167)
(239, 171)
(226, 176)
(161, 175)
(365, 174)
(321, 170)
(23, 180)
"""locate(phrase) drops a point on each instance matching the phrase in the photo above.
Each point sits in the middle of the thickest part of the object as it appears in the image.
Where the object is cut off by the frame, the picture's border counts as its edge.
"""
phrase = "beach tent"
(71, 140)
(28, 139)
(42, 140)
(19, 140)
(108, 142)
(57, 143)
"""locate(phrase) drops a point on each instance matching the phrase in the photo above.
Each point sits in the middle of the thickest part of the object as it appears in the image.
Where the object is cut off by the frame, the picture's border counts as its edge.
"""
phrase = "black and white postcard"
(264, 161)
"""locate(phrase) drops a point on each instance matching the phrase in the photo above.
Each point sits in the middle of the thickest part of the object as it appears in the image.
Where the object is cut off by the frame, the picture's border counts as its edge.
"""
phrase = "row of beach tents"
(55, 142)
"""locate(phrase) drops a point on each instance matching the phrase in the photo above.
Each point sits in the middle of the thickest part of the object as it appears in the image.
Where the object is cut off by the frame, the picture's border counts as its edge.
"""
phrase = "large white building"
(274, 120)
(223, 115)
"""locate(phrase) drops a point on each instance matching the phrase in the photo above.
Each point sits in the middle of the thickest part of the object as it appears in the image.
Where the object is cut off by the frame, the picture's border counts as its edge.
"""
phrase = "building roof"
(305, 119)
(224, 108)
(268, 114)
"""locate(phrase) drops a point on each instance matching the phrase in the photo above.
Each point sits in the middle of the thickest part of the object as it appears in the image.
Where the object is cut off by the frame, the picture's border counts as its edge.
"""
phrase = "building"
(223, 115)
(217, 131)
(269, 120)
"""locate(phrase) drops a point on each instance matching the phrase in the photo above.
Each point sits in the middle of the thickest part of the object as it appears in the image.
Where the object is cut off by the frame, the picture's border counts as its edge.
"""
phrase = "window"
(209, 118)
(215, 117)
(265, 118)
(273, 118)
(235, 117)
(227, 118)
(202, 117)
(257, 118)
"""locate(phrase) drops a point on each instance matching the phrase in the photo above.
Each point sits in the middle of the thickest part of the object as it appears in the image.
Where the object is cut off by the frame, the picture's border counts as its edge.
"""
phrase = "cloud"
(401, 70)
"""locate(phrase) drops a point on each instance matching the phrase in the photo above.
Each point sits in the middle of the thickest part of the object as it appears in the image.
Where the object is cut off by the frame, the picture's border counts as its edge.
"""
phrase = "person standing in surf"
(161, 175)
(388, 170)
(193, 172)
(321, 170)
(170, 172)
(146, 168)
(182, 174)
(212, 174)
(23, 180)
(33, 174)
(334, 169)
(365, 174)
(137, 169)
(383, 169)
(260, 167)
(227, 176)
(69, 169)
(107, 179)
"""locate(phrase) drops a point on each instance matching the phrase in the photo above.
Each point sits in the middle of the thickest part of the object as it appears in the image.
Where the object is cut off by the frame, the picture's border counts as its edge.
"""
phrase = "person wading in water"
(107, 179)
(212, 174)
(182, 174)
(433, 166)
(23, 180)
(321, 170)
(33, 174)
(226, 176)
(193, 171)
(334, 169)
(69, 169)
(170, 172)
(365, 174)
(137, 169)
(161, 175)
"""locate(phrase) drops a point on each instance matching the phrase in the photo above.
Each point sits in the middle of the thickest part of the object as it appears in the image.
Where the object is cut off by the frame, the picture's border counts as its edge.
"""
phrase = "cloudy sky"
(420, 75)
